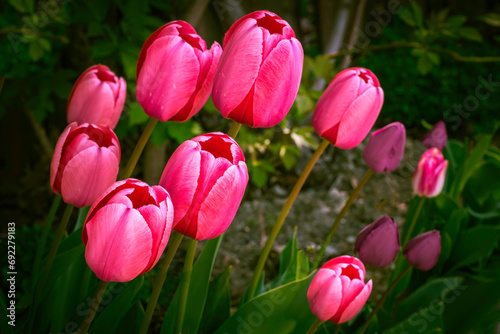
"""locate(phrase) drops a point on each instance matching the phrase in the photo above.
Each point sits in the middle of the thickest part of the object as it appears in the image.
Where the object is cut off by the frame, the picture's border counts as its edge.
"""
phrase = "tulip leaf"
(218, 305)
(198, 291)
(117, 301)
(482, 186)
(473, 245)
(136, 114)
(281, 310)
(131, 322)
(422, 320)
(4, 313)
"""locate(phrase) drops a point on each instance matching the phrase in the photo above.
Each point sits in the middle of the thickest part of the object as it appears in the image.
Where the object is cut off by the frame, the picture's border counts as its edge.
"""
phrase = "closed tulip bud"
(85, 162)
(175, 72)
(206, 178)
(97, 97)
(127, 229)
(338, 291)
(436, 137)
(378, 243)
(428, 178)
(348, 108)
(422, 252)
(386, 148)
(259, 73)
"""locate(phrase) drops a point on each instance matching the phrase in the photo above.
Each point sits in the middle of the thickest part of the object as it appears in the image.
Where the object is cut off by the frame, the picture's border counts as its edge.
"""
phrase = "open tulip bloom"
(259, 73)
(206, 178)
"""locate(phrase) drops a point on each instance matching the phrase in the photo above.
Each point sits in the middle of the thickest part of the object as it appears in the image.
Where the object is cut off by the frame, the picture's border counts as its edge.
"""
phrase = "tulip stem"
(341, 215)
(414, 220)
(314, 326)
(101, 289)
(382, 299)
(175, 241)
(139, 147)
(233, 130)
(281, 218)
(184, 287)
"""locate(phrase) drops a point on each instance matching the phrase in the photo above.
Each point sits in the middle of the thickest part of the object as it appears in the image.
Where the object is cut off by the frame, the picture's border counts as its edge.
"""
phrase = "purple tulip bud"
(436, 137)
(385, 148)
(422, 252)
(378, 243)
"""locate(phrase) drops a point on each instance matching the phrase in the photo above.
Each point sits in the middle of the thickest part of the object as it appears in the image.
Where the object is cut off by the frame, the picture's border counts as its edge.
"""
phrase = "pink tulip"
(378, 243)
(206, 178)
(97, 97)
(428, 178)
(338, 291)
(85, 162)
(127, 229)
(175, 72)
(422, 252)
(437, 137)
(386, 148)
(348, 108)
(259, 73)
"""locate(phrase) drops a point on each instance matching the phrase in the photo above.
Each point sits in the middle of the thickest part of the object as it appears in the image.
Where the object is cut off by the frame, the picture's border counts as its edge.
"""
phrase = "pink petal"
(119, 243)
(325, 294)
(440, 175)
(56, 158)
(356, 304)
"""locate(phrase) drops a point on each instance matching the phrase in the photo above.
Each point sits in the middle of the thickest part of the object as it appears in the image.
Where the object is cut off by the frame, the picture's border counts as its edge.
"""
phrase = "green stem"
(186, 277)
(233, 130)
(314, 326)
(414, 221)
(139, 147)
(101, 289)
(341, 215)
(281, 218)
(159, 280)
(382, 299)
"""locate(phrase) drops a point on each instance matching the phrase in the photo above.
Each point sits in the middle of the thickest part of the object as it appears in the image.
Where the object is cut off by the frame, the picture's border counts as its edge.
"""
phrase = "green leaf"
(470, 34)
(5, 314)
(129, 55)
(482, 185)
(36, 49)
(132, 320)
(424, 64)
(474, 244)
(426, 320)
(493, 19)
(473, 161)
(407, 16)
(23, 6)
(198, 290)
(288, 155)
(218, 305)
(281, 310)
(136, 114)
(417, 14)
(456, 21)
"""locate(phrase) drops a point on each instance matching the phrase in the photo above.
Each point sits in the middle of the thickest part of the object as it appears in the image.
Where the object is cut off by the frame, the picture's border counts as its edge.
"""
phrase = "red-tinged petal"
(56, 158)
(238, 68)
(156, 221)
(119, 243)
(350, 290)
(439, 178)
(167, 210)
(345, 260)
(168, 77)
(325, 294)
(87, 175)
(219, 207)
(180, 177)
(359, 118)
(355, 305)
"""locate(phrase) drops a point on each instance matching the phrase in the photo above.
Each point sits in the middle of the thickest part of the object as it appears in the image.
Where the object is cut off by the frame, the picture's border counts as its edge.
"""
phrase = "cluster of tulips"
(253, 81)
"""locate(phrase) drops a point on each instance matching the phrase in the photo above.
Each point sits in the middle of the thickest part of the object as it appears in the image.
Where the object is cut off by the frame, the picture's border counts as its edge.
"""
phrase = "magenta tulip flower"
(422, 252)
(206, 178)
(97, 97)
(386, 148)
(338, 291)
(259, 73)
(348, 108)
(378, 243)
(175, 72)
(85, 162)
(428, 178)
(437, 137)
(127, 229)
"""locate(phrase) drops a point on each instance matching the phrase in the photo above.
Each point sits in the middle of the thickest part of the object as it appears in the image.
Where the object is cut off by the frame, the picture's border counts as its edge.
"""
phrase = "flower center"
(351, 272)
(218, 147)
(271, 24)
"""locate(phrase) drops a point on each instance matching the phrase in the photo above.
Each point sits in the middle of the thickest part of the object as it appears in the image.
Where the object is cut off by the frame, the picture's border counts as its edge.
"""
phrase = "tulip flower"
(428, 178)
(97, 97)
(206, 178)
(175, 72)
(378, 243)
(436, 137)
(338, 291)
(127, 229)
(386, 148)
(348, 108)
(422, 252)
(259, 73)
(85, 162)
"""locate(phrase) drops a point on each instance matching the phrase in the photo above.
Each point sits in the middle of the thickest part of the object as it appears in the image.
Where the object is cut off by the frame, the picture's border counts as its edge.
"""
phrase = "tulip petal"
(355, 305)
(325, 294)
(56, 159)
(119, 243)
